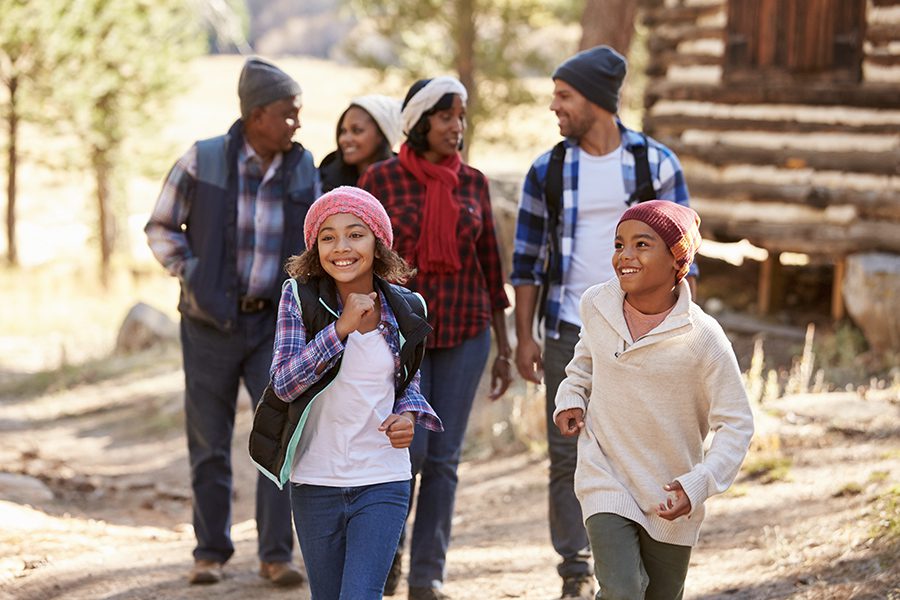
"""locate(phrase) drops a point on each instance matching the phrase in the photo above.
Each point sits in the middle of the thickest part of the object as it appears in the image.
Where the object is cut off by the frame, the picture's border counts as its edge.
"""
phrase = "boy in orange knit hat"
(651, 376)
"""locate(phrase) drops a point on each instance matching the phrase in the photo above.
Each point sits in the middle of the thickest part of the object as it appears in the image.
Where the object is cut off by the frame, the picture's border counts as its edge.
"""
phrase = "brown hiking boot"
(281, 573)
(577, 586)
(205, 571)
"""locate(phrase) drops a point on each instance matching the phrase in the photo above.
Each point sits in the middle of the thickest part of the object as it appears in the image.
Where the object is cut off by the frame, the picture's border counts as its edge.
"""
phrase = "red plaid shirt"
(461, 304)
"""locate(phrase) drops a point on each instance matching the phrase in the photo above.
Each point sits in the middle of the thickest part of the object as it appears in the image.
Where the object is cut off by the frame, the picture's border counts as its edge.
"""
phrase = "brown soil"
(114, 456)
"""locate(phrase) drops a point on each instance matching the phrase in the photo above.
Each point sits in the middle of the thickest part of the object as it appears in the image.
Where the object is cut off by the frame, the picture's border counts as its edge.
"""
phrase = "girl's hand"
(356, 307)
(501, 376)
(570, 422)
(399, 429)
(676, 505)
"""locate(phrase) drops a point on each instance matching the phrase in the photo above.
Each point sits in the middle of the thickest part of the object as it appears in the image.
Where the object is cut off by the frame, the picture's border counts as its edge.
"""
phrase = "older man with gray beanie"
(230, 213)
(572, 199)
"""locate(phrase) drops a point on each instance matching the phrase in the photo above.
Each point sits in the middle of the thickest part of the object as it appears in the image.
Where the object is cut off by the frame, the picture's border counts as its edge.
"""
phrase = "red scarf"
(437, 250)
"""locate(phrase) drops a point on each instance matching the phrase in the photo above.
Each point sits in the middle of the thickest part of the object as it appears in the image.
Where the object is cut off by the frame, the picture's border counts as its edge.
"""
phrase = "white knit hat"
(386, 113)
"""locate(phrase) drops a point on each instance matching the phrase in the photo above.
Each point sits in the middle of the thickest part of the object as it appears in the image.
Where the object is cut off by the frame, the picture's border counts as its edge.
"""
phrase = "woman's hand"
(399, 429)
(501, 376)
(356, 307)
(676, 505)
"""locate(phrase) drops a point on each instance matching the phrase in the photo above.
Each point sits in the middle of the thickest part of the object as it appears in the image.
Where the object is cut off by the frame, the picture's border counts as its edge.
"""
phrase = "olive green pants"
(630, 565)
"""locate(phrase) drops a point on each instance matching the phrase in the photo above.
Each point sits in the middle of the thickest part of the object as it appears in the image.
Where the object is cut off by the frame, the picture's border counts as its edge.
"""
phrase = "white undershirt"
(601, 203)
(341, 445)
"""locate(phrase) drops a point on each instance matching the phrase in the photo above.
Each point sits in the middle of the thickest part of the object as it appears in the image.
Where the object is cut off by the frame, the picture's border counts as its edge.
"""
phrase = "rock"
(143, 328)
(22, 489)
(872, 294)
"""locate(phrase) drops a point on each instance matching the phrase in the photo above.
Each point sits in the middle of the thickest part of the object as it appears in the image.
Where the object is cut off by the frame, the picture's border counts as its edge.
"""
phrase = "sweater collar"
(610, 298)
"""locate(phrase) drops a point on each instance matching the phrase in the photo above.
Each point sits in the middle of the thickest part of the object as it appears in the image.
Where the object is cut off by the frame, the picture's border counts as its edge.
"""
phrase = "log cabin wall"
(786, 117)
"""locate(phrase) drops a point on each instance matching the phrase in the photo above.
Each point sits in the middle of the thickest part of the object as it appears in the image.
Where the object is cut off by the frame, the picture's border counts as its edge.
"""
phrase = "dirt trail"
(117, 527)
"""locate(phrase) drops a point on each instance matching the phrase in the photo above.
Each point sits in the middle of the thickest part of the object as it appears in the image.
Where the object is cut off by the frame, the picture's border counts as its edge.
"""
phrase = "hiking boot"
(393, 578)
(205, 571)
(577, 586)
(281, 573)
(426, 593)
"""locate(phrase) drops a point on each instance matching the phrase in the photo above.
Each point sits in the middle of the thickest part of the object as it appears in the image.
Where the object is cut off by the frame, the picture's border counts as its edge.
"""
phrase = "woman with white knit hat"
(366, 133)
(440, 210)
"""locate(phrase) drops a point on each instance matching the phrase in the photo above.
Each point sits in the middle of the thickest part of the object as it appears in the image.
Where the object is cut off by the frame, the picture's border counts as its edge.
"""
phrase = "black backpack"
(553, 189)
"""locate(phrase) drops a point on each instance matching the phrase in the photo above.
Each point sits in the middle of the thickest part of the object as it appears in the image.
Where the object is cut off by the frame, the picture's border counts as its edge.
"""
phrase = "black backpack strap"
(643, 180)
(553, 193)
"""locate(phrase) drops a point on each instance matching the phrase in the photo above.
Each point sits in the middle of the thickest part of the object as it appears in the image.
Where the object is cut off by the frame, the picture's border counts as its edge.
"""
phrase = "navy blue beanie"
(597, 74)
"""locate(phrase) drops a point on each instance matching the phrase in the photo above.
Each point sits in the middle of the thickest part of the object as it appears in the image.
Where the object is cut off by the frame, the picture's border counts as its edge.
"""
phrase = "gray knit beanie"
(597, 74)
(262, 83)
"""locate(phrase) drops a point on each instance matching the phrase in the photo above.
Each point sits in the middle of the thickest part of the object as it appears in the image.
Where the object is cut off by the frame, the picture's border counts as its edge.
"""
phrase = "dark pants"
(566, 525)
(348, 536)
(450, 379)
(631, 565)
(214, 363)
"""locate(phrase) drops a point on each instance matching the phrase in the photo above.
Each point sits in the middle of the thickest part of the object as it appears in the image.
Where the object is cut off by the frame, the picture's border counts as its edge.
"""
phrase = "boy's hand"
(570, 422)
(399, 429)
(356, 307)
(676, 505)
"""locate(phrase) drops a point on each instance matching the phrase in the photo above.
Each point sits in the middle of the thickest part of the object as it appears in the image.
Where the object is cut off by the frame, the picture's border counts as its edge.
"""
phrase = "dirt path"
(117, 526)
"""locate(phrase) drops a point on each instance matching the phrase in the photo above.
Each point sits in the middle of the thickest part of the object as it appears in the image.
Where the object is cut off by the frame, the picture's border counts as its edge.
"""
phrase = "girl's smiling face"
(347, 251)
(642, 261)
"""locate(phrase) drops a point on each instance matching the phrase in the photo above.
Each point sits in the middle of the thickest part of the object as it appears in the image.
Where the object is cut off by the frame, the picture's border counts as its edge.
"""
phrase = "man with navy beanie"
(572, 199)
(229, 215)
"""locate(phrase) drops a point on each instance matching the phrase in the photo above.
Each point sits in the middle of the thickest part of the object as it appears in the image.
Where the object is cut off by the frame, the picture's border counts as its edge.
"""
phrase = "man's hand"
(570, 422)
(399, 429)
(501, 376)
(677, 503)
(355, 309)
(528, 360)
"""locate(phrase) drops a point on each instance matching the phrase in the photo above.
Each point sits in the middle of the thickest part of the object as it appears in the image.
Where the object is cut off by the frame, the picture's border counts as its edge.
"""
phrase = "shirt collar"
(248, 154)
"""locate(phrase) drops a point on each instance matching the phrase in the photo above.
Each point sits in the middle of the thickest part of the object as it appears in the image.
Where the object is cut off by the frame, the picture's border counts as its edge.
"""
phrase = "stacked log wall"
(791, 165)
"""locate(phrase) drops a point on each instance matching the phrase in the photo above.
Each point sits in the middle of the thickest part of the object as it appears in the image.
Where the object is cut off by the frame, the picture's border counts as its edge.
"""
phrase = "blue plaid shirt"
(298, 363)
(530, 250)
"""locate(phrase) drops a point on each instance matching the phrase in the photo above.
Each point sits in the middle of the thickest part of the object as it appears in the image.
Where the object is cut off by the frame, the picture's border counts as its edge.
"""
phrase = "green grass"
(887, 513)
(768, 468)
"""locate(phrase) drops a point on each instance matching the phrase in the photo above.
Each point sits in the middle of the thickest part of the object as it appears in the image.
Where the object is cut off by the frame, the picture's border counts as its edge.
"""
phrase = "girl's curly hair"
(388, 265)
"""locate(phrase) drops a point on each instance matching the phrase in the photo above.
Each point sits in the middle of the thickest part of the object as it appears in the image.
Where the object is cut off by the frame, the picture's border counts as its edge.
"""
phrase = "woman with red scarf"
(440, 211)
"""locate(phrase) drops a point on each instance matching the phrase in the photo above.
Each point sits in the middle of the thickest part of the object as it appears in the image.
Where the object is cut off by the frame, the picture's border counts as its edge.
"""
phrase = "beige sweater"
(649, 406)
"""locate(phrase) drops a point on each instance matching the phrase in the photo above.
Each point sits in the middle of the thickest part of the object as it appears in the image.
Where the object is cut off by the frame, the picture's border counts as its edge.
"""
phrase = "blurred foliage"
(491, 45)
(101, 71)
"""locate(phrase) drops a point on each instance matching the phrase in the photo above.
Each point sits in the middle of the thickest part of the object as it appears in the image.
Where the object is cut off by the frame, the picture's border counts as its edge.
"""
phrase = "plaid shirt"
(296, 364)
(260, 216)
(463, 302)
(530, 250)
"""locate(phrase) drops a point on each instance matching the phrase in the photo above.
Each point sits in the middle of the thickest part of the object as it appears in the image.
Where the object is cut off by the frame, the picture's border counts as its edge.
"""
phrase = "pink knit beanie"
(348, 199)
(677, 225)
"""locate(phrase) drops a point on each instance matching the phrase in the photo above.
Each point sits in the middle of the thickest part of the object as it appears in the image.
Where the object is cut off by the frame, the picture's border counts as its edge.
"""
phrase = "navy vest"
(211, 291)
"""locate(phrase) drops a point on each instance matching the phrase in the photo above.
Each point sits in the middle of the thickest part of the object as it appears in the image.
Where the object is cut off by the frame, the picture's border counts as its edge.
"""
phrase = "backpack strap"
(553, 193)
(643, 181)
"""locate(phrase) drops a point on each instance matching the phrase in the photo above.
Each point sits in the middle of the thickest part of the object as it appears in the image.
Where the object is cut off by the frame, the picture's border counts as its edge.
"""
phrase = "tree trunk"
(465, 62)
(609, 22)
(105, 216)
(12, 122)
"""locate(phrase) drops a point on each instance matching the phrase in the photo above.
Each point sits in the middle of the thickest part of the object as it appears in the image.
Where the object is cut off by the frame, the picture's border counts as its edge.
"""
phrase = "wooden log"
(676, 124)
(807, 237)
(679, 14)
(667, 38)
(883, 60)
(882, 34)
(885, 2)
(855, 161)
(660, 63)
(869, 204)
(869, 95)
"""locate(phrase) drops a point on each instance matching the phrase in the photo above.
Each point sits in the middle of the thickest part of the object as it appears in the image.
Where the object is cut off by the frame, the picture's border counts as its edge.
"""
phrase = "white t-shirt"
(601, 203)
(341, 445)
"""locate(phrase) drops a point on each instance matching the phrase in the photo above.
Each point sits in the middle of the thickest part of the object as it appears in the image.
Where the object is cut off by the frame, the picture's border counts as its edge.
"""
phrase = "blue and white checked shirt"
(531, 241)
(297, 363)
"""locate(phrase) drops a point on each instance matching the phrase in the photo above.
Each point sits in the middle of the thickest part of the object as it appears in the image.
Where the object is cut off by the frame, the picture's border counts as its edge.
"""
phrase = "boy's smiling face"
(642, 260)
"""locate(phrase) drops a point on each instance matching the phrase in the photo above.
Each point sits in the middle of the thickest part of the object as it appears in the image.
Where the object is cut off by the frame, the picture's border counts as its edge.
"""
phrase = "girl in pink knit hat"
(348, 345)
(652, 375)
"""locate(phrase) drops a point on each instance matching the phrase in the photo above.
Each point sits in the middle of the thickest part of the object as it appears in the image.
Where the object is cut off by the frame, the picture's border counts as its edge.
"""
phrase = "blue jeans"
(450, 378)
(566, 526)
(348, 536)
(214, 364)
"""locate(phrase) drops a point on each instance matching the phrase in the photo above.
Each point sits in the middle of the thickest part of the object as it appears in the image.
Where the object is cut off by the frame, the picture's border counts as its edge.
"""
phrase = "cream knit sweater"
(649, 406)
